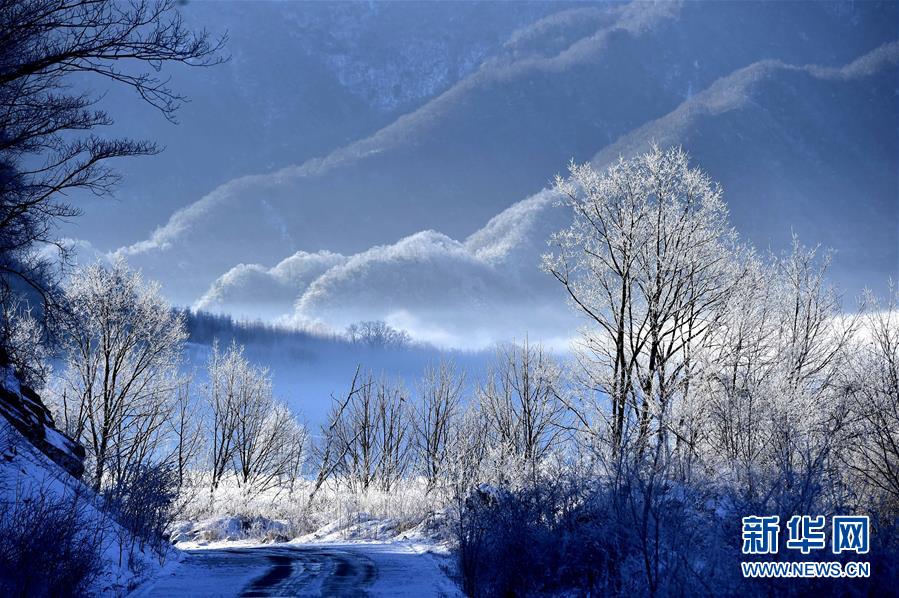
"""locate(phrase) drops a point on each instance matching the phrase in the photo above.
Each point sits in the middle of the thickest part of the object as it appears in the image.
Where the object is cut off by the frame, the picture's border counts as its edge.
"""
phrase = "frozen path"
(304, 570)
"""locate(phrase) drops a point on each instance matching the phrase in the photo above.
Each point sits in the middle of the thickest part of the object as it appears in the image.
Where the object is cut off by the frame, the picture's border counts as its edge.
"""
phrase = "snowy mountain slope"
(562, 87)
(488, 285)
(23, 410)
(303, 79)
(28, 475)
(810, 150)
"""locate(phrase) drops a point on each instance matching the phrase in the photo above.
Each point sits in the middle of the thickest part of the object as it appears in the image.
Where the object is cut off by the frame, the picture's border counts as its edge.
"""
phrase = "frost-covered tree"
(123, 346)
(648, 261)
(773, 366)
(22, 337)
(250, 435)
(468, 451)
(231, 382)
(872, 387)
(435, 418)
(393, 434)
(377, 334)
(521, 404)
(269, 445)
(711, 383)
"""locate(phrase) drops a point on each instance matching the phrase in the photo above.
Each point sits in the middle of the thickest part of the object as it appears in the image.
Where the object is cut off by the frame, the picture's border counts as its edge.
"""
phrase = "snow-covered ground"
(384, 550)
(26, 474)
(225, 556)
(305, 569)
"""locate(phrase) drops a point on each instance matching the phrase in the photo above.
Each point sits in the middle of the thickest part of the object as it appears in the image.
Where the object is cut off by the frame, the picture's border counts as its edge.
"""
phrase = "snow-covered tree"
(872, 386)
(377, 334)
(520, 401)
(123, 345)
(435, 418)
(269, 445)
(648, 261)
(773, 367)
(251, 435)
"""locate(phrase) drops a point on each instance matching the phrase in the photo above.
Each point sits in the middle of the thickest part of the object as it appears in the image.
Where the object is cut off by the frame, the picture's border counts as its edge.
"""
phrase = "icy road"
(303, 570)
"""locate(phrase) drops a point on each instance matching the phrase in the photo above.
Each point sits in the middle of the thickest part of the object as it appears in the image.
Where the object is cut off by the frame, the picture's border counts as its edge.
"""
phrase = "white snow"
(375, 568)
(355, 553)
(26, 471)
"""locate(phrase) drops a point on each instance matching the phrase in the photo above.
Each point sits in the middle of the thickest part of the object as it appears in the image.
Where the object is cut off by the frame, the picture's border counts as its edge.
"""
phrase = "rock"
(23, 408)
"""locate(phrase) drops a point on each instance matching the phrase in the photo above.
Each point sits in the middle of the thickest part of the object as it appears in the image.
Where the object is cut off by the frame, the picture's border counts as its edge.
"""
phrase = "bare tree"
(47, 147)
(521, 403)
(295, 449)
(253, 446)
(330, 452)
(358, 433)
(366, 442)
(393, 438)
(186, 429)
(435, 417)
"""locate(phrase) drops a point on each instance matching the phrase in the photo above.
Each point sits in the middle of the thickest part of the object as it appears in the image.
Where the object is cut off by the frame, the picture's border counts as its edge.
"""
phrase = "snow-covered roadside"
(26, 473)
(296, 568)
(362, 553)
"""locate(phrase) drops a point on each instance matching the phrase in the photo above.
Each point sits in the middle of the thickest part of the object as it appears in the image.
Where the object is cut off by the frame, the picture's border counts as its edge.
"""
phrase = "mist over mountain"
(488, 286)
(800, 149)
(303, 79)
(820, 169)
(429, 214)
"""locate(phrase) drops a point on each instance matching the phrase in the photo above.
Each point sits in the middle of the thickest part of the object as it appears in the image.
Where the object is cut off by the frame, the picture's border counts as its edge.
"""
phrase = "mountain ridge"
(502, 139)
(504, 253)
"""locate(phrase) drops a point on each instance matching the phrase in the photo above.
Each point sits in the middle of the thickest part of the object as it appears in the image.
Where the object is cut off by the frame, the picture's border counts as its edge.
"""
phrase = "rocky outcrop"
(24, 410)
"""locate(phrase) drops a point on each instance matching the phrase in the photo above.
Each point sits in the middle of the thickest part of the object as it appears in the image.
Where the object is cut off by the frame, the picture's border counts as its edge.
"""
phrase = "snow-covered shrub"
(142, 503)
(50, 545)
(543, 538)
(335, 511)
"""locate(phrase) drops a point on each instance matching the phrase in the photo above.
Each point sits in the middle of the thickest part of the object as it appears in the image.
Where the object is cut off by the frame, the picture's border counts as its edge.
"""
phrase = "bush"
(49, 545)
(143, 504)
(570, 535)
(543, 538)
